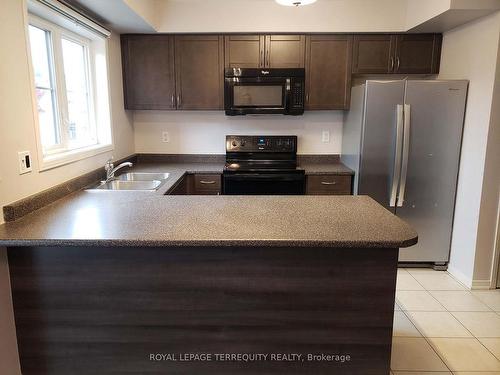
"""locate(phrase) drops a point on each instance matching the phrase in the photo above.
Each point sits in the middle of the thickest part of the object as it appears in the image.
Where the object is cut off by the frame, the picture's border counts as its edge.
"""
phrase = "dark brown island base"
(134, 283)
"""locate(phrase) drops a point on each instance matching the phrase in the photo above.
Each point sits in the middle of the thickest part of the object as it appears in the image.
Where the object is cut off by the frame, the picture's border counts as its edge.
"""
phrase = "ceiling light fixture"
(296, 3)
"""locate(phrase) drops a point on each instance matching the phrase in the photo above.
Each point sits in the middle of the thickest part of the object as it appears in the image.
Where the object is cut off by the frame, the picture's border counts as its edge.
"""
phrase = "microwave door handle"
(288, 90)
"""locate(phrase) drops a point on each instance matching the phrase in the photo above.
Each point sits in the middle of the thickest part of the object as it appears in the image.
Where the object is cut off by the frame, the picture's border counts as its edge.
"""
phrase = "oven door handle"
(263, 177)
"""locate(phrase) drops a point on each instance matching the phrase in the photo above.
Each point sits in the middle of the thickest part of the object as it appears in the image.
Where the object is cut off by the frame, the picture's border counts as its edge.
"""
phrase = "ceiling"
(198, 16)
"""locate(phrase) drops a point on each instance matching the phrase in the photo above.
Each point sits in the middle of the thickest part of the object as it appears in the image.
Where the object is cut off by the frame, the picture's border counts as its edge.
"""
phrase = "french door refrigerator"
(403, 139)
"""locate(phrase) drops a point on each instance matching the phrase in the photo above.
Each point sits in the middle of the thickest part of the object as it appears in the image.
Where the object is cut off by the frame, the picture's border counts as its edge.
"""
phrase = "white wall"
(474, 4)
(490, 199)
(457, 12)
(471, 52)
(419, 11)
(204, 132)
(17, 133)
(267, 16)
(200, 16)
(147, 9)
(17, 128)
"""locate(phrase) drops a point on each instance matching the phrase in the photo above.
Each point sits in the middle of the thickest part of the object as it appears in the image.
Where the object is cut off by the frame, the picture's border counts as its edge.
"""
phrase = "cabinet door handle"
(392, 65)
(328, 183)
(397, 64)
(307, 98)
(268, 63)
(262, 58)
(207, 182)
(179, 101)
(173, 101)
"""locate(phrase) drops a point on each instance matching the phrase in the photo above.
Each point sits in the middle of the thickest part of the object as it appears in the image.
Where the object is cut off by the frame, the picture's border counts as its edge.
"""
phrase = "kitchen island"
(141, 283)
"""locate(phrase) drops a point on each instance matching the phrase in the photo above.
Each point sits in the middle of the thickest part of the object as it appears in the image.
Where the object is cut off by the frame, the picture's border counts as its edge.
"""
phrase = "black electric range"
(262, 165)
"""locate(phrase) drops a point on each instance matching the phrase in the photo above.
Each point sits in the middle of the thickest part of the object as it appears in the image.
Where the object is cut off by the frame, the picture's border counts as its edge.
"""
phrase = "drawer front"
(329, 185)
(207, 183)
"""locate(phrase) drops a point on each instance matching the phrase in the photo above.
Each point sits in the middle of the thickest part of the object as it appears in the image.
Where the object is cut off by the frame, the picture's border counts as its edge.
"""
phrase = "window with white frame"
(71, 91)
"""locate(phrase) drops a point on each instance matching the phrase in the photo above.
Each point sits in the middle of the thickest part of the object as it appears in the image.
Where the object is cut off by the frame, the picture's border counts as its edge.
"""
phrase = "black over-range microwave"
(261, 91)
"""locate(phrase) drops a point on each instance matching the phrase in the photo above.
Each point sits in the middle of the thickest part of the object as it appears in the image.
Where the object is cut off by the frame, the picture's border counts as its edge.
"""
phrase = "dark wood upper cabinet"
(373, 54)
(418, 53)
(397, 54)
(199, 71)
(165, 72)
(328, 71)
(244, 51)
(148, 71)
(285, 51)
(264, 51)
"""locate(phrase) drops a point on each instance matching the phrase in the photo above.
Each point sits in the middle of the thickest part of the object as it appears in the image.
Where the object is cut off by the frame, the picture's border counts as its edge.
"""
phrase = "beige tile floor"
(441, 328)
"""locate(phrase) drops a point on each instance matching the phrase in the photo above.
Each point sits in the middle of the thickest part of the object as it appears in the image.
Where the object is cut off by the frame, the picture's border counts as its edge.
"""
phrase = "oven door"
(256, 95)
(263, 184)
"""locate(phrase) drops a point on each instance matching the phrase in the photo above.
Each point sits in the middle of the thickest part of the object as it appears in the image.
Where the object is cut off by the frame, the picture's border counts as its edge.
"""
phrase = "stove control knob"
(234, 144)
(242, 143)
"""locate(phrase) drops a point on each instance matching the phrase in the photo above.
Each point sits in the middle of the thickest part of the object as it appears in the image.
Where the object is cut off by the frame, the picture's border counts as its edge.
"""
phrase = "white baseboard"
(467, 281)
(481, 284)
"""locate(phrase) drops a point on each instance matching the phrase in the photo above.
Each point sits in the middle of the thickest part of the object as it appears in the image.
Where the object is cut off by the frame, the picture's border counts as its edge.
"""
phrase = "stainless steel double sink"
(135, 181)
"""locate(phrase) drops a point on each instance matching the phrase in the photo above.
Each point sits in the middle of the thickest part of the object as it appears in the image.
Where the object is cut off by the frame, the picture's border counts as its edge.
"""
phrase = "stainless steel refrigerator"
(403, 140)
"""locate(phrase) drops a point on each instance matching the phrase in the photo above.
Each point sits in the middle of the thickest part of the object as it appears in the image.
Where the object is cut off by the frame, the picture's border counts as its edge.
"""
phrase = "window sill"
(63, 158)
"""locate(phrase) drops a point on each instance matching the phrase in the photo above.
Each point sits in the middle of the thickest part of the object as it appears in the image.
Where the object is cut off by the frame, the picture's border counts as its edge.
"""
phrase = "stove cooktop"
(261, 154)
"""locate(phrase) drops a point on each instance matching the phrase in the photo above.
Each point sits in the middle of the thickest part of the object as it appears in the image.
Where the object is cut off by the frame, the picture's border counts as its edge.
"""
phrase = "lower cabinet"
(211, 184)
(198, 184)
(206, 184)
(181, 188)
(328, 184)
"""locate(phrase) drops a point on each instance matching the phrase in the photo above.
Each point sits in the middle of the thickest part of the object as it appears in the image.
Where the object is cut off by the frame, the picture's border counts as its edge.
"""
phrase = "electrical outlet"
(165, 137)
(325, 136)
(24, 158)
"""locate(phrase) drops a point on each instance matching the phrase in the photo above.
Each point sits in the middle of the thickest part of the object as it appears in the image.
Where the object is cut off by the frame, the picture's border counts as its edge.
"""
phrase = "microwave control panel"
(297, 93)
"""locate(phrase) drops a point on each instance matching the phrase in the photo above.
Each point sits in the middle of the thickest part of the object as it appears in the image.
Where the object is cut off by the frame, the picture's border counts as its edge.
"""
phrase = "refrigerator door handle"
(397, 156)
(406, 153)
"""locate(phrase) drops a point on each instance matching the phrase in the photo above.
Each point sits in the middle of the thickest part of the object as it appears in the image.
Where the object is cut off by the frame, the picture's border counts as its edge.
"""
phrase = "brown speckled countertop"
(177, 165)
(144, 219)
(127, 218)
(325, 168)
(177, 170)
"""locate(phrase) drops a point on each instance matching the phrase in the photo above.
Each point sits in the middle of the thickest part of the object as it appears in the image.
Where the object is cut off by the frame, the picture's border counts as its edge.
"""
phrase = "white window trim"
(48, 161)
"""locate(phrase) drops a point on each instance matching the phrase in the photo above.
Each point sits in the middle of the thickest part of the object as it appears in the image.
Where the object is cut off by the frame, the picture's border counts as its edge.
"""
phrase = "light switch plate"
(325, 136)
(25, 162)
(165, 137)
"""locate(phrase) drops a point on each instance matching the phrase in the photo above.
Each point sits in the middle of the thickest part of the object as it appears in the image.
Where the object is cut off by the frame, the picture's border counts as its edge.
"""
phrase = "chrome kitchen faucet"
(111, 169)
